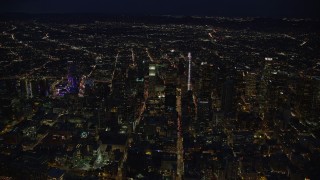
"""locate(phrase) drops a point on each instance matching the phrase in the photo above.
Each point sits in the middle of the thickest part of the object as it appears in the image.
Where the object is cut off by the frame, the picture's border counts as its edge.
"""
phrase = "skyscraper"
(170, 88)
(251, 84)
(152, 80)
(227, 96)
(73, 82)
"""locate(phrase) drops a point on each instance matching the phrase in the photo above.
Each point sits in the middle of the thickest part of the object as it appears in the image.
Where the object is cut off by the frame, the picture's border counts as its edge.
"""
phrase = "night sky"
(264, 8)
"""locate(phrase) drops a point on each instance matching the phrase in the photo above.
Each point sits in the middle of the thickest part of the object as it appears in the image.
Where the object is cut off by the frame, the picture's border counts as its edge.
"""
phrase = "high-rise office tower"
(207, 79)
(251, 84)
(170, 88)
(228, 96)
(152, 80)
(204, 109)
(308, 100)
(73, 82)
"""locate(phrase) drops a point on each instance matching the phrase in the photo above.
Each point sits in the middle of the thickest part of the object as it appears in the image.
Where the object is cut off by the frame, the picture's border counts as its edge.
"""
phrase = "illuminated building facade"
(73, 81)
(152, 80)
(251, 84)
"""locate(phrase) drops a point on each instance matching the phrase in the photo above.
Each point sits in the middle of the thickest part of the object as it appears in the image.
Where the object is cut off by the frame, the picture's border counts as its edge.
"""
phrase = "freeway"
(149, 55)
(114, 71)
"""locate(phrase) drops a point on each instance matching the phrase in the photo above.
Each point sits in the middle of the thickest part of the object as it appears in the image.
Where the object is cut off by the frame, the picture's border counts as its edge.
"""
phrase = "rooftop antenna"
(189, 72)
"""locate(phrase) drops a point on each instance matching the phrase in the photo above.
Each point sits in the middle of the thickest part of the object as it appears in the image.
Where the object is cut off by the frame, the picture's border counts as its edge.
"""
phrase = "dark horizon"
(149, 90)
(187, 18)
(230, 8)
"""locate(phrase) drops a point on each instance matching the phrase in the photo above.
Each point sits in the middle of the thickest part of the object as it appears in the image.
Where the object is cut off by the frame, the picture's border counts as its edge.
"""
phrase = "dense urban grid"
(138, 98)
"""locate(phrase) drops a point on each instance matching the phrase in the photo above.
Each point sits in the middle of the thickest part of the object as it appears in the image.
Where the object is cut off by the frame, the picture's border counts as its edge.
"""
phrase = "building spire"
(189, 72)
